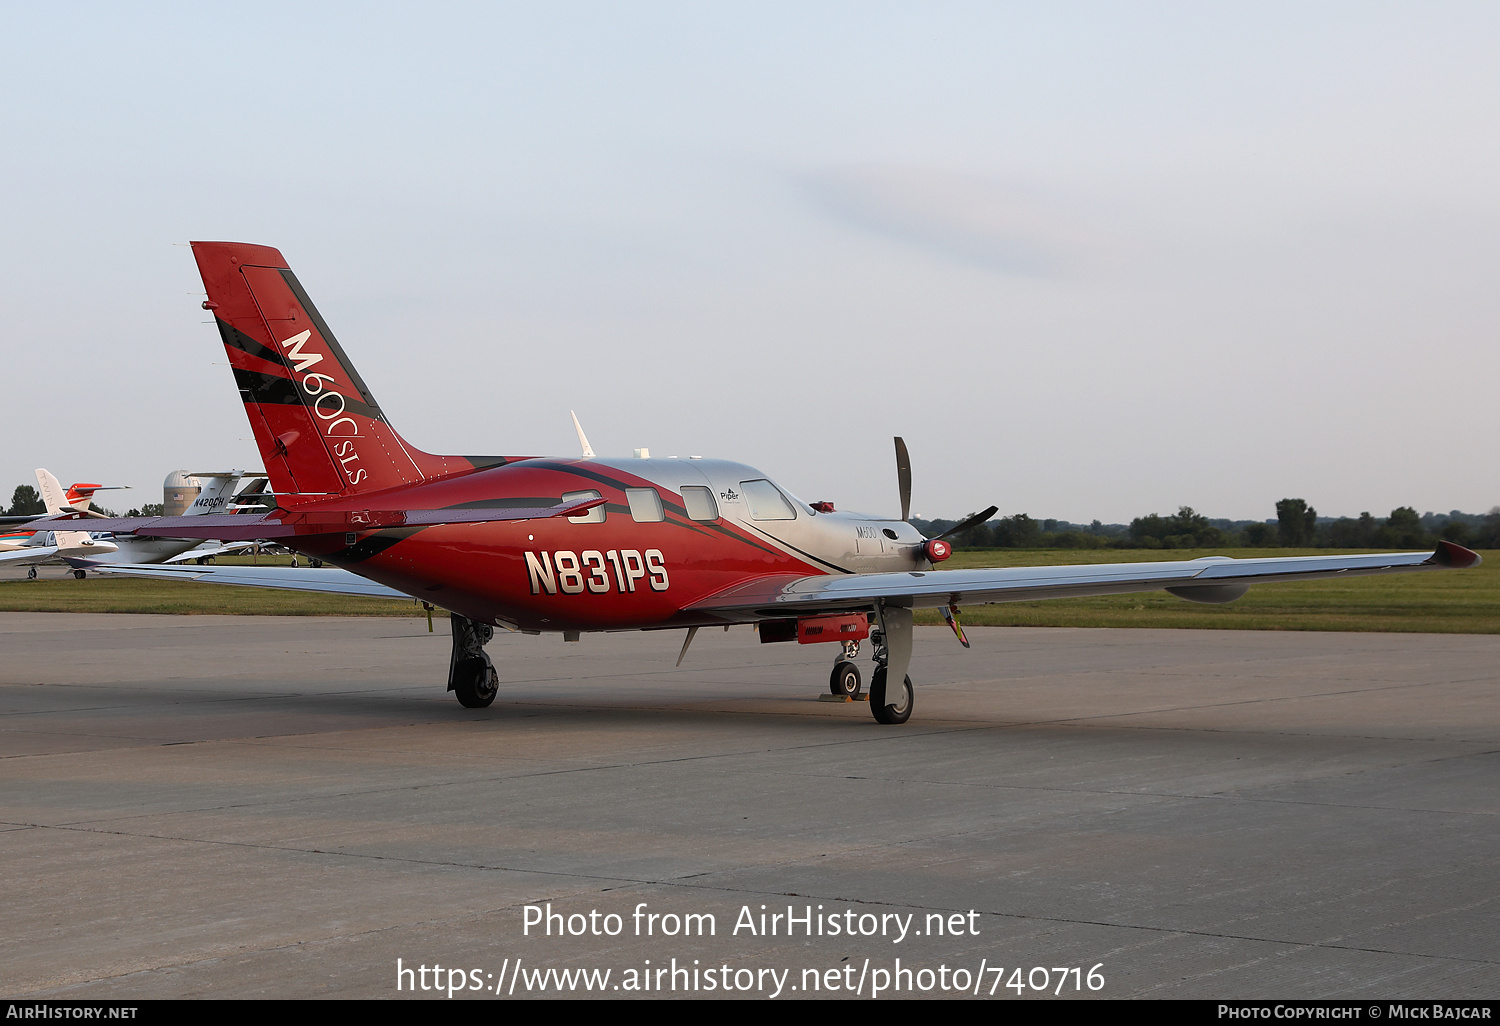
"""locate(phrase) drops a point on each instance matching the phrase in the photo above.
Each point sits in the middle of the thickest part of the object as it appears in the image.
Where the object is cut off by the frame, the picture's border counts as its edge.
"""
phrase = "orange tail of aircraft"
(319, 429)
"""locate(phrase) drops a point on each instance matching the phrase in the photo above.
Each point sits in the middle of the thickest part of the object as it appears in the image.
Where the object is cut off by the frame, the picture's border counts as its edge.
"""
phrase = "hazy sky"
(1091, 260)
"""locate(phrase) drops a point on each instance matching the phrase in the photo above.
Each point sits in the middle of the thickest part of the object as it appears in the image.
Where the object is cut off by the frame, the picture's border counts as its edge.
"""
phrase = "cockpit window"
(766, 502)
(591, 516)
(699, 503)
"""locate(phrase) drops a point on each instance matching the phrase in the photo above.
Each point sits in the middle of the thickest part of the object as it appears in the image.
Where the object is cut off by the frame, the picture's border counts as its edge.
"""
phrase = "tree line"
(1297, 525)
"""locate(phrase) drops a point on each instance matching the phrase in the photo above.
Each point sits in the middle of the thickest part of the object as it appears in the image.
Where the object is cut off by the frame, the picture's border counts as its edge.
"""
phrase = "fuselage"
(671, 533)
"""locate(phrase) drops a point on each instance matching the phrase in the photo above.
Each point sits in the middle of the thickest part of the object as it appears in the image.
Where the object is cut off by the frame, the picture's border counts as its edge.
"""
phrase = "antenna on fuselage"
(588, 451)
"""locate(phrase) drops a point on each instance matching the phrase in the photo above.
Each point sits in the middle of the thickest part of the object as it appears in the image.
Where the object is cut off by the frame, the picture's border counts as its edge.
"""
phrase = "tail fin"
(79, 496)
(319, 429)
(213, 491)
(56, 499)
(52, 491)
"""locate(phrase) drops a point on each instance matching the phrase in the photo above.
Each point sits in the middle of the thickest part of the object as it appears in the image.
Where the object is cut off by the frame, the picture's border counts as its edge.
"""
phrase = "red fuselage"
(627, 572)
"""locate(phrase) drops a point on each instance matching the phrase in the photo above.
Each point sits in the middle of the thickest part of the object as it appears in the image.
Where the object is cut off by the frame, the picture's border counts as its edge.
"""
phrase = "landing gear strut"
(891, 704)
(471, 675)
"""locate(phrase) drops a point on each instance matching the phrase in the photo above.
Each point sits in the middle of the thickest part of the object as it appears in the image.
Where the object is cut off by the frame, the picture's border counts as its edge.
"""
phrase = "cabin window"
(766, 502)
(699, 503)
(645, 505)
(592, 516)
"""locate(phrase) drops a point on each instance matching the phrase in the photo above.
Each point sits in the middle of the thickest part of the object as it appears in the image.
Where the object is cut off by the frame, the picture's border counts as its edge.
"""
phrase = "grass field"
(1453, 602)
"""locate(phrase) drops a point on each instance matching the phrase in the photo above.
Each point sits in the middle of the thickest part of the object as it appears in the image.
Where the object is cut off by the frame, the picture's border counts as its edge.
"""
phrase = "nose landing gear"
(844, 681)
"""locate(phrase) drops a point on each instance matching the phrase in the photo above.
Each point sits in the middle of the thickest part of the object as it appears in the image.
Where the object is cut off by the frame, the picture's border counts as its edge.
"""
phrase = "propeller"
(969, 521)
(934, 549)
(903, 477)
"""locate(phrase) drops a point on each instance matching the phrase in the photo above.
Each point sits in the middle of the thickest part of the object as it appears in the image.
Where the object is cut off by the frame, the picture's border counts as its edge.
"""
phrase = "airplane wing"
(29, 554)
(1210, 579)
(328, 580)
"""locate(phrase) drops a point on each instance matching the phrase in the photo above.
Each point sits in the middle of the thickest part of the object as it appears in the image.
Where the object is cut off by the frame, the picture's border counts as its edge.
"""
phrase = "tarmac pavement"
(286, 807)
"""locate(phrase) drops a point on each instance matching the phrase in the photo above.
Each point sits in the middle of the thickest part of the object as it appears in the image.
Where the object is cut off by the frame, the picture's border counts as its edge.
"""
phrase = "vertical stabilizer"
(56, 499)
(319, 429)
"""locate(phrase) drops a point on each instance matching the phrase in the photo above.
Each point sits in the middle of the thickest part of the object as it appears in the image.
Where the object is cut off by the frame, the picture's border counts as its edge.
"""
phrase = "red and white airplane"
(587, 544)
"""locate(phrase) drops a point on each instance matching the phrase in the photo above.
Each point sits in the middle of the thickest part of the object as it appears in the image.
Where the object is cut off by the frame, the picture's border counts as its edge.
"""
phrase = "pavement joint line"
(1278, 699)
(1025, 788)
(524, 703)
(247, 740)
(502, 779)
(1168, 795)
(1066, 920)
(927, 732)
(367, 792)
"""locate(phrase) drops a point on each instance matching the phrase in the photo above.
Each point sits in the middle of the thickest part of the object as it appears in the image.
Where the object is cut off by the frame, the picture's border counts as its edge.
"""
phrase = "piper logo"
(576, 573)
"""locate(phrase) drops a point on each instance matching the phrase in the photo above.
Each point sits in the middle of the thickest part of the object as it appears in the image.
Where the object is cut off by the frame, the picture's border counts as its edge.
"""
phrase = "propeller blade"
(903, 477)
(970, 521)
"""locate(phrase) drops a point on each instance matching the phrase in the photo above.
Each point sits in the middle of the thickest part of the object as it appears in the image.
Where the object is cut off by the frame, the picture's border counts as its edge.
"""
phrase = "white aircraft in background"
(188, 495)
(34, 548)
(183, 494)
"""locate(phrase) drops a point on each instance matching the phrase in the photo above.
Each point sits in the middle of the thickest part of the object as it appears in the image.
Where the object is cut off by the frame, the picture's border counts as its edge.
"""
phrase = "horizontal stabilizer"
(327, 580)
(28, 554)
(305, 522)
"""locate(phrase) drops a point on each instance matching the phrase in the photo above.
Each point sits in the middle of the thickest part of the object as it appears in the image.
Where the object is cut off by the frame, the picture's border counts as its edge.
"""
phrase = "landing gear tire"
(31, 574)
(844, 681)
(886, 711)
(80, 574)
(477, 685)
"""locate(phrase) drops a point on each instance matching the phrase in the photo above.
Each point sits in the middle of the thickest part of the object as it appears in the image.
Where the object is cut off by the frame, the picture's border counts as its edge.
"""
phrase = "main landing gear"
(892, 643)
(890, 705)
(471, 675)
(892, 639)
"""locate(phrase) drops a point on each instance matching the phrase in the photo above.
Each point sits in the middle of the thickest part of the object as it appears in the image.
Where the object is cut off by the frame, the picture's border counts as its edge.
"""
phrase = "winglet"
(1456, 556)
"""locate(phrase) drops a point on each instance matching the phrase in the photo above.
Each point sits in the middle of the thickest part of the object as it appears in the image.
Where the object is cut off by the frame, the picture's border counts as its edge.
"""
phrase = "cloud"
(972, 220)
